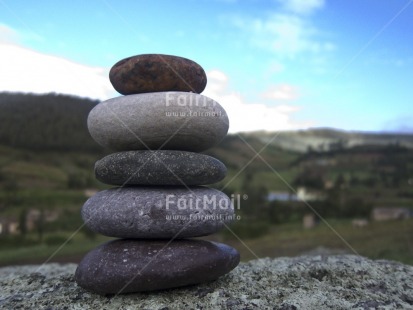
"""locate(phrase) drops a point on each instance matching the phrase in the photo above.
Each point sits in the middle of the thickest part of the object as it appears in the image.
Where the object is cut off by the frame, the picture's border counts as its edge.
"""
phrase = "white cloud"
(290, 33)
(286, 35)
(7, 35)
(25, 70)
(282, 92)
(245, 116)
(302, 6)
(285, 108)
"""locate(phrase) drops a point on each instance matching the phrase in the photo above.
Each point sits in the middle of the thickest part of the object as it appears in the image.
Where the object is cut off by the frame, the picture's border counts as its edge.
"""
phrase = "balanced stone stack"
(158, 128)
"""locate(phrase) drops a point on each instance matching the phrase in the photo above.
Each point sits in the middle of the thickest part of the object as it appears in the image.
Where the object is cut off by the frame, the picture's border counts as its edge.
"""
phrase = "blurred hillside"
(45, 122)
(46, 174)
(325, 139)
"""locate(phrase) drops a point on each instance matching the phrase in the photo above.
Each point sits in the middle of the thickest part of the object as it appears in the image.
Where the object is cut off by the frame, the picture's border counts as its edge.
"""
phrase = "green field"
(391, 240)
(379, 240)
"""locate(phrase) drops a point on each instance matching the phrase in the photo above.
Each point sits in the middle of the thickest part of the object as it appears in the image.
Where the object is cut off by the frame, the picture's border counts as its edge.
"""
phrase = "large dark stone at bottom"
(126, 265)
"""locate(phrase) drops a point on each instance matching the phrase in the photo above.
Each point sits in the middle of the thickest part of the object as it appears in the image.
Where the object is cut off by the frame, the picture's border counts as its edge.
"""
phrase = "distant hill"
(46, 122)
(325, 139)
(58, 122)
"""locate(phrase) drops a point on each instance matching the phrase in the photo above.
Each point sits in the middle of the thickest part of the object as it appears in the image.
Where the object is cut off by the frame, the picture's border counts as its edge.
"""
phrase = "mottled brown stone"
(155, 73)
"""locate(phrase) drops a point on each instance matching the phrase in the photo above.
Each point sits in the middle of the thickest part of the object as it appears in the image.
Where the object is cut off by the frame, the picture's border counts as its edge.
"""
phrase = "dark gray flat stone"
(162, 120)
(125, 266)
(158, 212)
(159, 168)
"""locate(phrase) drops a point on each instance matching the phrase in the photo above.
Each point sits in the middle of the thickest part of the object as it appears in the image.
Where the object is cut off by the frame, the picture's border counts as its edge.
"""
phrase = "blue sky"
(272, 64)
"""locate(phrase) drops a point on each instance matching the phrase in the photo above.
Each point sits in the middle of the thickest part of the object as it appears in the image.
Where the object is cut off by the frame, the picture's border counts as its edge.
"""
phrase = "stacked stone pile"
(158, 129)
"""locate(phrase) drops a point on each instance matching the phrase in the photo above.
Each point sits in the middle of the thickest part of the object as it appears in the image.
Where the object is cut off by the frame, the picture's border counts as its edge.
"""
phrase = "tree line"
(46, 122)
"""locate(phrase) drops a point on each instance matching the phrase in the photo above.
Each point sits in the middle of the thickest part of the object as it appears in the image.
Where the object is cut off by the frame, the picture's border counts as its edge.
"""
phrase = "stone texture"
(319, 282)
(166, 120)
(159, 168)
(157, 212)
(156, 72)
(125, 266)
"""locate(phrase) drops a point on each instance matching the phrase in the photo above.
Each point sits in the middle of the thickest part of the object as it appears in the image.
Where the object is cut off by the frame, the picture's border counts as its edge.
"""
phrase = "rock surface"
(166, 120)
(124, 266)
(156, 72)
(319, 282)
(157, 212)
(159, 168)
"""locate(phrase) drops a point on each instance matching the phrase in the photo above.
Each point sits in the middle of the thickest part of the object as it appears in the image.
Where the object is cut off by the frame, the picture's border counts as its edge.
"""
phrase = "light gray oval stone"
(126, 266)
(161, 120)
(164, 167)
(158, 212)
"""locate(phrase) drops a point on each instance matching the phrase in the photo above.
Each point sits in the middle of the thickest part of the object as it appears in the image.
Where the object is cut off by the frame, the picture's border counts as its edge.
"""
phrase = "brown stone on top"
(155, 73)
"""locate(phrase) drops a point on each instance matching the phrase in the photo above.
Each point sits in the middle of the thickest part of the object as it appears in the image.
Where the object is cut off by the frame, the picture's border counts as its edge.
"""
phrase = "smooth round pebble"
(156, 72)
(126, 266)
(158, 212)
(163, 120)
(159, 168)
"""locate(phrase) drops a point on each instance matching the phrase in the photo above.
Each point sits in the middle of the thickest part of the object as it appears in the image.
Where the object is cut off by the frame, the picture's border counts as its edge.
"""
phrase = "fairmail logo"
(188, 100)
(205, 202)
